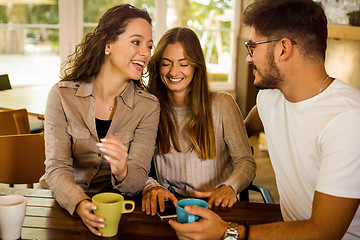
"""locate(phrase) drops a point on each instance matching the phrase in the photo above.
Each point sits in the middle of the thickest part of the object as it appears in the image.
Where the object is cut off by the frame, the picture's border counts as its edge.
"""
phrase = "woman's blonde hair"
(199, 125)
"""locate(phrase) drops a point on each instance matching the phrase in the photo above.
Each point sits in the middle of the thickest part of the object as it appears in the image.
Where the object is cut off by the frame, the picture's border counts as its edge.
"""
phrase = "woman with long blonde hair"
(202, 149)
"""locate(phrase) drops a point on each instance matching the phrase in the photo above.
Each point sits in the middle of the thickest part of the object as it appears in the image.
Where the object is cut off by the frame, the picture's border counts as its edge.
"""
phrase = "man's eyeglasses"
(251, 45)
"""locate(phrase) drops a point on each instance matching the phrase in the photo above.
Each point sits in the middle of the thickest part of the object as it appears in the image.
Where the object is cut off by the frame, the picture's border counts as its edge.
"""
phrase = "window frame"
(71, 33)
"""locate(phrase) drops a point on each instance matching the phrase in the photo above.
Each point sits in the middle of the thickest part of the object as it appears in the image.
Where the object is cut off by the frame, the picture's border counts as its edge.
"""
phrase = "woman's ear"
(107, 47)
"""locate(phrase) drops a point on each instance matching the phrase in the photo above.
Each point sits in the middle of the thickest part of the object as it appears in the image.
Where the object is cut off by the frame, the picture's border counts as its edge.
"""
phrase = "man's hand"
(210, 226)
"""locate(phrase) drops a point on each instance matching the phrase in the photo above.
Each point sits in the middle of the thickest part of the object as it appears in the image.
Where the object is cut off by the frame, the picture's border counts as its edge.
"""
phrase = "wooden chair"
(22, 158)
(14, 122)
(4, 82)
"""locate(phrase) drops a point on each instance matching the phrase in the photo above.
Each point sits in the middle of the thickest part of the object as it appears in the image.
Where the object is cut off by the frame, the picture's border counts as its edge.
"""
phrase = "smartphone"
(168, 213)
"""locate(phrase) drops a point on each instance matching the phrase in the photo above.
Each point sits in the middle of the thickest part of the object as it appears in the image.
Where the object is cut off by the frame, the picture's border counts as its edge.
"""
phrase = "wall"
(342, 55)
(343, 60)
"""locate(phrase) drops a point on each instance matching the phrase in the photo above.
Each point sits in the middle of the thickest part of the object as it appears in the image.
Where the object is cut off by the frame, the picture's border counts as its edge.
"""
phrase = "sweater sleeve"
(236, 139)
(150, 183)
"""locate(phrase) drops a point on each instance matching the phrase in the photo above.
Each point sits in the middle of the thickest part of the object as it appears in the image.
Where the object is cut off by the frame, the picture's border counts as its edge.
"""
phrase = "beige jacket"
(72, 158)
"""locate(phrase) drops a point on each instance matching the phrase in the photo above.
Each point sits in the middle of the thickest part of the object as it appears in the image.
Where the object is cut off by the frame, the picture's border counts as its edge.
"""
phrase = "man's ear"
(286, 48)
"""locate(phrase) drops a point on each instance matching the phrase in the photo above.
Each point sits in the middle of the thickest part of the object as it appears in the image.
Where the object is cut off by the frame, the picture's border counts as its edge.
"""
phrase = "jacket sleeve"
(140, 152)
(59, 171)
(237, 141)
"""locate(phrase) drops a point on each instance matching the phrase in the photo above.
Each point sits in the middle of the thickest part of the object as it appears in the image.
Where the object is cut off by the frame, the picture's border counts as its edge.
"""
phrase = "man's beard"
(272, 78)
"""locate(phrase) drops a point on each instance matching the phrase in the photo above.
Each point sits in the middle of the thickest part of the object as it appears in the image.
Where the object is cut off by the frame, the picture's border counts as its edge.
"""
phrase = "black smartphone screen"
(168, 213)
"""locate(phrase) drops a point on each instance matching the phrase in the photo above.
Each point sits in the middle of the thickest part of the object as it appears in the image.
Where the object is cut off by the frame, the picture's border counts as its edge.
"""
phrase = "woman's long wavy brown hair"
(199, 125)
(89, 55)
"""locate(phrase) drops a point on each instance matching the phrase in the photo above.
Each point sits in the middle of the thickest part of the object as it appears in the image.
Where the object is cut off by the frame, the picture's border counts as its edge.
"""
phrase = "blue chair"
(265, 193)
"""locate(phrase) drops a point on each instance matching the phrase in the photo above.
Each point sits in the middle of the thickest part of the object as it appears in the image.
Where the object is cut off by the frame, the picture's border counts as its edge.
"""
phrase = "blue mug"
(184, 217)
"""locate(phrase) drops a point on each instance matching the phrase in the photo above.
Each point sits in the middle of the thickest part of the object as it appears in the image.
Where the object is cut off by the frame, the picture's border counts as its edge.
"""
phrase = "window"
(35, 46)
(214, 23)
(29, 41)
(94, 9)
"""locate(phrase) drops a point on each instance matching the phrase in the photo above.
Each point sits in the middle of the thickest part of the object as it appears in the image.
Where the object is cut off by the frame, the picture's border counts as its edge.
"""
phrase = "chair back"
(243, 196)
(4, 82)
(22, 158)
(14, 122)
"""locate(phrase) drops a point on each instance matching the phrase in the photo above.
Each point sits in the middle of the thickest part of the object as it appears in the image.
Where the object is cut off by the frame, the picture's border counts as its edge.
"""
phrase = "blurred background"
(36, 36)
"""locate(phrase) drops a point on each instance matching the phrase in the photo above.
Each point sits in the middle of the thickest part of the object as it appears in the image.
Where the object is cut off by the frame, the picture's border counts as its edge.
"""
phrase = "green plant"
(354, 17)
(354, 14)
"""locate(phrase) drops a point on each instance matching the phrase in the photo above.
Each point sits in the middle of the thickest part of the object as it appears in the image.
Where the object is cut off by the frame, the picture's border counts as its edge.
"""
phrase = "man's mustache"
(253, 66)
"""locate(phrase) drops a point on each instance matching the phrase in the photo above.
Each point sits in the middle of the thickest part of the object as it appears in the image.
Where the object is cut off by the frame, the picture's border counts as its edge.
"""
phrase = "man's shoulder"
(344, 94)
(346, 88)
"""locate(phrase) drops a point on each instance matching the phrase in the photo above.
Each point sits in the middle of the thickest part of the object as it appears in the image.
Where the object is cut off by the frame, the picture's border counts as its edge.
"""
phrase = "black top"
(102, 127)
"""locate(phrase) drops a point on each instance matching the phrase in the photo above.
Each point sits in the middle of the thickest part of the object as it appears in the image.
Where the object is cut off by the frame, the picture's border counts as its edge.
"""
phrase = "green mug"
(110, 206)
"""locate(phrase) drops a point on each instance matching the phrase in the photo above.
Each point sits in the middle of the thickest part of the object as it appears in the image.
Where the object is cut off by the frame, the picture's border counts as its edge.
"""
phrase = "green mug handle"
(128, 210)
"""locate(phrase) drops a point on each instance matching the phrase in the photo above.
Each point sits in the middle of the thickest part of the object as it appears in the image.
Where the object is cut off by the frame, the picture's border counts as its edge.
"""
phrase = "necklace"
(322, 85)
(110, 106)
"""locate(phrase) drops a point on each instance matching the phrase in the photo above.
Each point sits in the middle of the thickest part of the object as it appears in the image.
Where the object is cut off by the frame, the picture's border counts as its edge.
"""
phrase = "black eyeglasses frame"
(251, 45)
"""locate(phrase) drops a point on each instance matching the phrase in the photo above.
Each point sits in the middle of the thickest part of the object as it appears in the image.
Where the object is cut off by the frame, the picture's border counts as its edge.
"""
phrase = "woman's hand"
(223, 196)
(84, 210)
(150, 198)
(116, 153)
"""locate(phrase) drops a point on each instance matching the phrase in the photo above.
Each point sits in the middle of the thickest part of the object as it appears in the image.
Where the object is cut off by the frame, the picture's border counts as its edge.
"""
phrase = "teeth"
(175, 79)
(138, 63)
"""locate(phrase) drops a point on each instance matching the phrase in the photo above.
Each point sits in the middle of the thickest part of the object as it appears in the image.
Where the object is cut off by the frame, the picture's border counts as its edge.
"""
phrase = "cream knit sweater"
(234, 164)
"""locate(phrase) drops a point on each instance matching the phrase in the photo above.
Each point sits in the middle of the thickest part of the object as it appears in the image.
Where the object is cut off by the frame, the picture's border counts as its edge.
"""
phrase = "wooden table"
(32, 97)
(45, 219)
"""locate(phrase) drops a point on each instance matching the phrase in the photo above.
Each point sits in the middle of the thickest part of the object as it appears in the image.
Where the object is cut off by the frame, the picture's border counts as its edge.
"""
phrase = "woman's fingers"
(202, 194)
(116, 153)
(91, 221)
(224, 196)
(151, 197)
(146, 202)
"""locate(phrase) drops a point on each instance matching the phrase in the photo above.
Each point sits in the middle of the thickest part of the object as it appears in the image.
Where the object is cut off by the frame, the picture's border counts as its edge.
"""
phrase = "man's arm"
(331, 217)
(253, 123)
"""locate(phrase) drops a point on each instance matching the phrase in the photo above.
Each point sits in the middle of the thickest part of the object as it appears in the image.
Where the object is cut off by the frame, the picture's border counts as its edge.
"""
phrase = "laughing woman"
(202, 145)
(100, 123)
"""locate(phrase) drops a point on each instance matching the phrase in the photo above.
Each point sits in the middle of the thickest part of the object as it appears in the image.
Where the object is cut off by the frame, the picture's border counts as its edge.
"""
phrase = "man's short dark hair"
(303, 21)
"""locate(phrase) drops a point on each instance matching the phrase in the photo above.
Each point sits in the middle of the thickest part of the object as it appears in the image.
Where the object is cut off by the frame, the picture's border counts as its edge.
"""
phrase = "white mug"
(12, 214)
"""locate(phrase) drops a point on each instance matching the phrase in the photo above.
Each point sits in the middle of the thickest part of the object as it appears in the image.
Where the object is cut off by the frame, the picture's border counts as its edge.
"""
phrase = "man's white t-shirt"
(314, 145)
